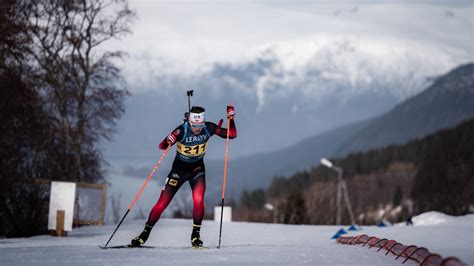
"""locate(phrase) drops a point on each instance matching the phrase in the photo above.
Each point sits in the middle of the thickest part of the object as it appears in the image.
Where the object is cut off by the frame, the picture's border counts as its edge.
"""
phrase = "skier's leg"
(198, 186)
(167, 194)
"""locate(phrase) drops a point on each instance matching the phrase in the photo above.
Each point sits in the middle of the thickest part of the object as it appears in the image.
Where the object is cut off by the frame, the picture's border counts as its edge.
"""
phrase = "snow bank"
(438, 218)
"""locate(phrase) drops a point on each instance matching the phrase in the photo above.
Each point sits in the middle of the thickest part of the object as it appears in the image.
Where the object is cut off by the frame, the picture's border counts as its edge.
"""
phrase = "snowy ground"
(242, 244)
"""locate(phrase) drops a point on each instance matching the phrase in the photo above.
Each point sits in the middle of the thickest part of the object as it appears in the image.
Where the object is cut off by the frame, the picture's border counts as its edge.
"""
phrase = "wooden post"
(60, 219)
(102, 206)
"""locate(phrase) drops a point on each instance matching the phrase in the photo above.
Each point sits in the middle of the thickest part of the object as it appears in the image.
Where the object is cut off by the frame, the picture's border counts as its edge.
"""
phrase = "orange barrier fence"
(419, 254)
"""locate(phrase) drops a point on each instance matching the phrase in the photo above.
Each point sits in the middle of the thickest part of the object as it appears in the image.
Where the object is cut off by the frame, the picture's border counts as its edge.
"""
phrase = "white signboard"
(226, 215)
(61, 198)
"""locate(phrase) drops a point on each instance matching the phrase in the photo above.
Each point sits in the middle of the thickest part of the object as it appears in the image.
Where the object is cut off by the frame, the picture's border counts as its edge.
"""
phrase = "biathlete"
(191, 139)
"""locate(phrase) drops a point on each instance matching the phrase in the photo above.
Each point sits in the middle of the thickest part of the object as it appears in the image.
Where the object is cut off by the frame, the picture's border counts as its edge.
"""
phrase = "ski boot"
(141, 239)
(196, 237)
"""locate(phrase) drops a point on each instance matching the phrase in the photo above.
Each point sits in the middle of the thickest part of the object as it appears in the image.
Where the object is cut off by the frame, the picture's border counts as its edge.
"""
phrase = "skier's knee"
(198, 200)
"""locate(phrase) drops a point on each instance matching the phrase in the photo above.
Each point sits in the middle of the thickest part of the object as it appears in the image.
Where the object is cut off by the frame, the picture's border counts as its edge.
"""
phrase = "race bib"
(191, 151)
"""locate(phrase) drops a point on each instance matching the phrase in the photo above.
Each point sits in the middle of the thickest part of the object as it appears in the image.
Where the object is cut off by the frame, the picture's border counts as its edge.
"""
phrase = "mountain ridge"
(446, 103)
(451, 96)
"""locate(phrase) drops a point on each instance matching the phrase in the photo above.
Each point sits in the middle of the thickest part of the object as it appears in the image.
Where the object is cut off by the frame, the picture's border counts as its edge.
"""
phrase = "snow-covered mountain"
(276, 104)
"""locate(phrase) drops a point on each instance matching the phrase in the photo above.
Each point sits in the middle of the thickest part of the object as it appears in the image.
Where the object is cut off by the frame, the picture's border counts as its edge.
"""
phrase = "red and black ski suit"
(188, 165)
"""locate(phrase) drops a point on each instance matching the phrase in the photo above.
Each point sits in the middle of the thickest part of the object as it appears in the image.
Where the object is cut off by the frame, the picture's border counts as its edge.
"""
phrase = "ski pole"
(139, 193)
(225, 178)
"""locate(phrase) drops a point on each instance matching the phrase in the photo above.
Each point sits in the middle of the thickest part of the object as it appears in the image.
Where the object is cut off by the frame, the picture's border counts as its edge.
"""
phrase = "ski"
(125, 246)
(128, 246)
(199, 247)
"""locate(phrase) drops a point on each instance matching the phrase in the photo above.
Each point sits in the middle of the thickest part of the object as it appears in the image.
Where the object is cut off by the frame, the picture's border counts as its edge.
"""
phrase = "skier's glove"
(171, 139)
(230, 112)
(168, 141)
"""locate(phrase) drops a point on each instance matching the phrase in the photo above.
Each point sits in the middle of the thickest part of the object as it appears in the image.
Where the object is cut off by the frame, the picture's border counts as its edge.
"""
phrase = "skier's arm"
(176, 135)
(222, 132)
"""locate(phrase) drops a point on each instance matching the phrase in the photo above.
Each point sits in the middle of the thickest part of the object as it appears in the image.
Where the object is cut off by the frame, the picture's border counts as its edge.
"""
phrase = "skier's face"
(197, 127)
(196, 130)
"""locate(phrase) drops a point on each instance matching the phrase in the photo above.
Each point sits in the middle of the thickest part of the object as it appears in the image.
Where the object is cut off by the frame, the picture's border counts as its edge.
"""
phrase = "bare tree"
(60, 95)
(83, 88)
(23, 128)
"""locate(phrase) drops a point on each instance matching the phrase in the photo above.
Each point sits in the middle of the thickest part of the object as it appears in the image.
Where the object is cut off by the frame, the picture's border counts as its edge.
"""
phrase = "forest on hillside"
(392, 183)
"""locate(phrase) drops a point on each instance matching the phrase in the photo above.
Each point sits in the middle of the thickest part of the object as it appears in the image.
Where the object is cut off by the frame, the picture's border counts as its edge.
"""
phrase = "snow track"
(242, 244)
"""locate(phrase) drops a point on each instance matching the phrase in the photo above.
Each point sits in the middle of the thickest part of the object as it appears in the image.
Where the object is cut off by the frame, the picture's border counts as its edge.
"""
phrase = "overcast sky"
(189, 37)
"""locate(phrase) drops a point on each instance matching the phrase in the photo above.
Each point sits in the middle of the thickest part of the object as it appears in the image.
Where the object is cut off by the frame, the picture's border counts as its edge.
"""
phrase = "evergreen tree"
(397, 196)
(445, 179)
(294, 210)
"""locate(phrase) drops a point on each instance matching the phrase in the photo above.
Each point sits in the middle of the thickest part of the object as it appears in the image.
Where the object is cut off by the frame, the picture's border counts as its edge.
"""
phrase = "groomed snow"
(242, 244)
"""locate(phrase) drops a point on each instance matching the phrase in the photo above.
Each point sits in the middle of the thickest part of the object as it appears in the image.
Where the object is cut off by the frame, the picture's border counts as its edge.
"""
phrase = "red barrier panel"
(411, 252)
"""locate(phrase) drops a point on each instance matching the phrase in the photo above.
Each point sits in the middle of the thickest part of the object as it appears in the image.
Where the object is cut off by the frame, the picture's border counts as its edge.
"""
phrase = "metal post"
(342, 192)
(348, 202)
(339, 188)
